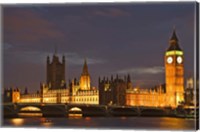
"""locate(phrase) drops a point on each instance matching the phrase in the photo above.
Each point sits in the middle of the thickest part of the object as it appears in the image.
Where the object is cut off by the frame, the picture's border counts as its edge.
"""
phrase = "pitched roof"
(174, 37)
(174, 42)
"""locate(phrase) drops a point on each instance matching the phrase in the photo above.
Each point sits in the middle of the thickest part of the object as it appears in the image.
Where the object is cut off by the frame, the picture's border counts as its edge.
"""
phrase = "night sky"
(115, 38)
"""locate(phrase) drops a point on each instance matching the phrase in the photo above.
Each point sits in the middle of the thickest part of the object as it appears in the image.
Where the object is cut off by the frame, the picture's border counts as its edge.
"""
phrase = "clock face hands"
(179, 59)
(169, 60)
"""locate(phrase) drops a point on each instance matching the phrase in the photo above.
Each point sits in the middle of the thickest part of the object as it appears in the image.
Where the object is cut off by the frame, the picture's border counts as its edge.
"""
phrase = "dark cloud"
(26, 26)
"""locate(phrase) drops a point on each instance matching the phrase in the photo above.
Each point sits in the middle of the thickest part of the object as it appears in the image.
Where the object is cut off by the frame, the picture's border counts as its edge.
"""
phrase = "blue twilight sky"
(115, 38)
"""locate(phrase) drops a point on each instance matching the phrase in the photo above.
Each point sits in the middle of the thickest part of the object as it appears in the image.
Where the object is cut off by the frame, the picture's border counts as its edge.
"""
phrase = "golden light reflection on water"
(87, 118)
(123, 117)
(177, 123)
(88, 122)
(46, 122)
(75, 115)
(164, 123)
(30, 114)
(17, 121)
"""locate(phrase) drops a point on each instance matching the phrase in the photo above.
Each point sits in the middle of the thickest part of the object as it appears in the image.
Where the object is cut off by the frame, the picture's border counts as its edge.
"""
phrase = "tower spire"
(128, 78)
(174, 44)
(174, 37)
(55, 49)
(85, 78)
(85, 68)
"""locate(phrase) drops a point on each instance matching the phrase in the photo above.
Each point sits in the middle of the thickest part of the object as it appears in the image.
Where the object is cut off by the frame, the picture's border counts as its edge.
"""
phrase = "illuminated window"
(8, 94)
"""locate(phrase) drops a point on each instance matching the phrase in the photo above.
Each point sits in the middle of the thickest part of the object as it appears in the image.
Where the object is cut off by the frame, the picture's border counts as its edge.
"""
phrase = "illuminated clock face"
(169, 60)
(179, 59)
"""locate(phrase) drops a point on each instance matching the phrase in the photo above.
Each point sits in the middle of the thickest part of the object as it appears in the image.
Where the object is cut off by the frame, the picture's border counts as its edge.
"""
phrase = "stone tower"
(55, 72)
(129, 84)
(174, 72)
(85, 78)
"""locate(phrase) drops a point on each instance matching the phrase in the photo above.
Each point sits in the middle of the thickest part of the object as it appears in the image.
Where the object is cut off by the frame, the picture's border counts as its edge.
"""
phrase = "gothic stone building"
(174, 79)
(113, 91)
(56, 72)
(56, 90)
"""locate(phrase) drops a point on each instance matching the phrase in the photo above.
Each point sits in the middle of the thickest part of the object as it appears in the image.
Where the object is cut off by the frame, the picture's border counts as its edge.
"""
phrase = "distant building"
(56, 91)
(81, 91)
(56, 72)
(116, 91)
(174, 72)
(85, 78)
(146, 97)
(189, 92)
(174, 79)
(11, 95)
(113, 91)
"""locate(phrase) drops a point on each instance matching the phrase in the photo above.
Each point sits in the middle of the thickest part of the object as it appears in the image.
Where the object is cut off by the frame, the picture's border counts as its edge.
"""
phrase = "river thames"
(143, 123)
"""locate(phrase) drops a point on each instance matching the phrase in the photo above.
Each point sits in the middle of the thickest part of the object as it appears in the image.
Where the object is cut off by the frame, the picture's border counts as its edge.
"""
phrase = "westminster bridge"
(65, 110)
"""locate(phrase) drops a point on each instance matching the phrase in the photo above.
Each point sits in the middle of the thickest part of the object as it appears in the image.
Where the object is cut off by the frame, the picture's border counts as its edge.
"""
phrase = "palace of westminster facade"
(113, 91)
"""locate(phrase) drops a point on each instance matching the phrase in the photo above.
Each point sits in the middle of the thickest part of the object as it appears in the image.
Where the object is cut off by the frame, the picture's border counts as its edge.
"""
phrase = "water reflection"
(176, 123)
(46, 122)
(123, 117)
(87, 118)
(155, 123)
(75, 115)
(17, 121)
(30, 114)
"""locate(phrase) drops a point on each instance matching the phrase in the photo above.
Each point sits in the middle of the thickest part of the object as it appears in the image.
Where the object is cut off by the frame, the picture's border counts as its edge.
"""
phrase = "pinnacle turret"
(128, 78)
(85, 68)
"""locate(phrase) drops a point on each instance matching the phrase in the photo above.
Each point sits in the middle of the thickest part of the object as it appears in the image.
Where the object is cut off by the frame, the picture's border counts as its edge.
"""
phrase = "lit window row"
(85, 99)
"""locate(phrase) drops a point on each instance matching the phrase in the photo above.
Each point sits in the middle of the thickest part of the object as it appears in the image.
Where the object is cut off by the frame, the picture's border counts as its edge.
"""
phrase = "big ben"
(174, 73)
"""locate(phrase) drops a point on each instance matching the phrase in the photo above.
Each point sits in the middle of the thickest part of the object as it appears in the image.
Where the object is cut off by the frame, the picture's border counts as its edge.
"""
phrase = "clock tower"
(174, 73)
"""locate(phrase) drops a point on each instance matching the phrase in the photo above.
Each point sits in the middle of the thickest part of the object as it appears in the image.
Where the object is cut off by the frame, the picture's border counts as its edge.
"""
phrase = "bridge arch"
(30, 108)
(75, 112)
(30, 111)
(75, 109)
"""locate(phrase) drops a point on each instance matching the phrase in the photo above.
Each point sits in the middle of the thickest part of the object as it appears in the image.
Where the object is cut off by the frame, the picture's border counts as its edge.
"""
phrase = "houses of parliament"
(111, 91)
